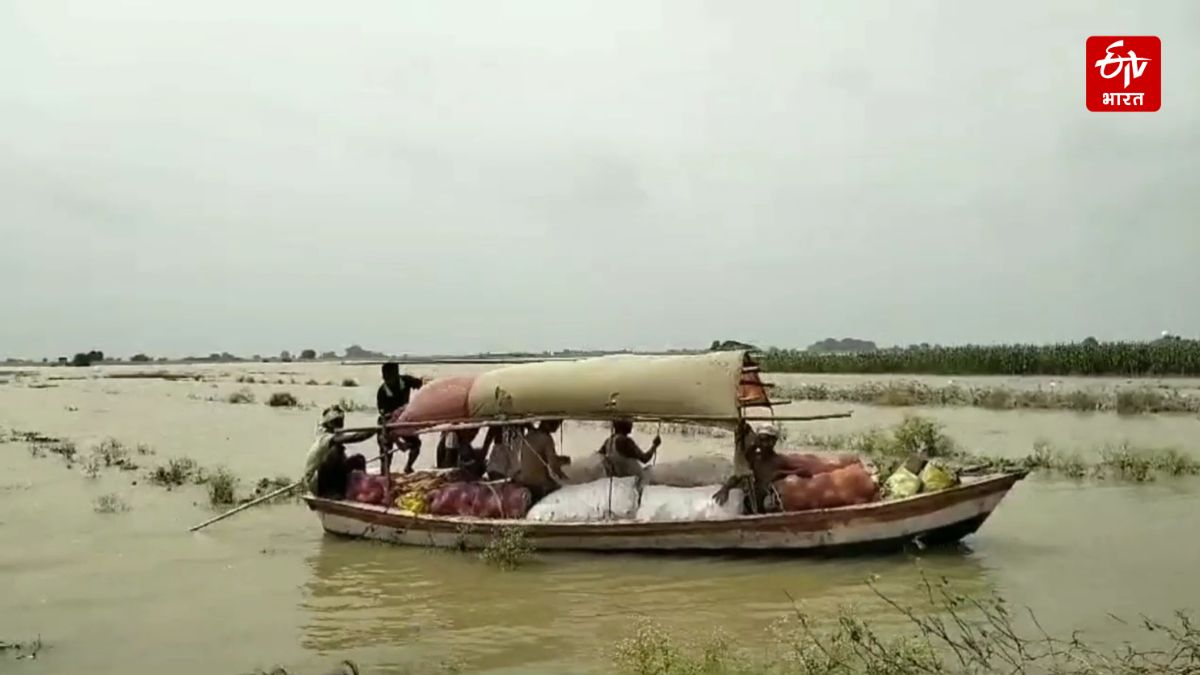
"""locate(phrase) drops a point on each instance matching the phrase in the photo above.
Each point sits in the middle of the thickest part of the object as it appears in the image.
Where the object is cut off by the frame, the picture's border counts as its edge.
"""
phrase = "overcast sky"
(257, 175)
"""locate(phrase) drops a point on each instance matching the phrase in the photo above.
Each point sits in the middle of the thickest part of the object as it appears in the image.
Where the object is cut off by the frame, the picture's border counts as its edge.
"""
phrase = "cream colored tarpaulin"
(700, 385)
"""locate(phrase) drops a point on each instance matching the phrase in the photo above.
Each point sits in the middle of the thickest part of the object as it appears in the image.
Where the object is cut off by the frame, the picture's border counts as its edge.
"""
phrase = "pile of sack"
(480, 500)
(411, 492)
(919, 475)
(827, 488)
(368, 488)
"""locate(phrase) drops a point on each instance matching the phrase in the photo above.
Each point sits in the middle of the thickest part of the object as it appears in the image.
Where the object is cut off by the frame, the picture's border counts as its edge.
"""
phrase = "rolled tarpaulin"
(694, 385)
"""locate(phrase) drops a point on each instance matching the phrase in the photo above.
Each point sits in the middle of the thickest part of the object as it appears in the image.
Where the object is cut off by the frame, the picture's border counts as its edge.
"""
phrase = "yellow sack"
(936, 477)
(902, 483)
(413, 502)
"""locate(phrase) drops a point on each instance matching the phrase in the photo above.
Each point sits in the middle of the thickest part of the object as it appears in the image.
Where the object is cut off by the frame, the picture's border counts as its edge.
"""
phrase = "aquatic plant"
(1120, 461)
(113, 453)
(242, 395)
(282, 399)
(176, 472)
(1125, 400)
(350, 405)
(110, 503)
(312, 383)
(92, 465)
(64, 449)
(246, 379)
(22, 651)
(507, 548)
(1132, 359)
(222, 486)
(951, 633)
(349, 382)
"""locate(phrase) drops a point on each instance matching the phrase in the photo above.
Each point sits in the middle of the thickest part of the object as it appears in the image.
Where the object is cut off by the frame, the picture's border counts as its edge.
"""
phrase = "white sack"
(589, 502)
(662, 503)
(690, 472)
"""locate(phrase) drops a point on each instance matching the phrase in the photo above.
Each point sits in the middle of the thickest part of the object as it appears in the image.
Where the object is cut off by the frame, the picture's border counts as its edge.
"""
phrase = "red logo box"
(1124, 73)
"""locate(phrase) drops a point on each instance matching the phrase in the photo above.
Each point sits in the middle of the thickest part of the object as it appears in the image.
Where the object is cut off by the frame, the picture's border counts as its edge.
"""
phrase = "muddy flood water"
(134, 592)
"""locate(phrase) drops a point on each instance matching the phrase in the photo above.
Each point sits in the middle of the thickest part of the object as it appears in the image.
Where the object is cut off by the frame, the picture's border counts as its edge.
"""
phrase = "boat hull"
(924, 520)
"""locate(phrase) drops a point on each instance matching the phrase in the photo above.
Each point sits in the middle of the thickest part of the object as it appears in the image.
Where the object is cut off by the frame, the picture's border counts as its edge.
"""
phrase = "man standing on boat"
(393, 395)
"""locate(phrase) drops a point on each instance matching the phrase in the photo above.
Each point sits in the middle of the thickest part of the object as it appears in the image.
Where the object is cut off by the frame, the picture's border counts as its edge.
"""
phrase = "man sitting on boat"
(538, 464)
(622, 455)
(766, 465)
(393, 395)
(326, 468)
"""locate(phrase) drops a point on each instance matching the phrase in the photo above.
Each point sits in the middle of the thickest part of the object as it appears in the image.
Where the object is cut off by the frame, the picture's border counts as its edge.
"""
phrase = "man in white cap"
(326, 466)
(756, 450)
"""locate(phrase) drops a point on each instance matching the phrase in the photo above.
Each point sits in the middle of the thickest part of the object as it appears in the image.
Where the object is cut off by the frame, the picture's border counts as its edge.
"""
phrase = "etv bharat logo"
(1115, 65)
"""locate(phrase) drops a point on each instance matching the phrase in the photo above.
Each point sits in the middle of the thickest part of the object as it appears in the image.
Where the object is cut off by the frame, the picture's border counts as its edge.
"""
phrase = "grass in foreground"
(952, 633)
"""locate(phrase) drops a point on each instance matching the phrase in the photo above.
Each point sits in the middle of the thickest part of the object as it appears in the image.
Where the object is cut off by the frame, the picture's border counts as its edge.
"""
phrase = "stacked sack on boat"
(411, 492)
(480, 500)
(919, 475)
(368, 488)
(836, 480)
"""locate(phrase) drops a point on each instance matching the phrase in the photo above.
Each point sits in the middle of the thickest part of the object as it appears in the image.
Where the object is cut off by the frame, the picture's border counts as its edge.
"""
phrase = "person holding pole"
(326, 468)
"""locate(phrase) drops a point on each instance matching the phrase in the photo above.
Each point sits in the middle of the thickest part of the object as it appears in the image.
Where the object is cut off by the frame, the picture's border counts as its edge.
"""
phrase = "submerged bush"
(349, 382)
(242, 395)
(110, 503)
(222, 486)
(507, 548)
(282, 399)
(350, 405)
(176, 472)
(113, 453)
(888, 447)
(1125, 400)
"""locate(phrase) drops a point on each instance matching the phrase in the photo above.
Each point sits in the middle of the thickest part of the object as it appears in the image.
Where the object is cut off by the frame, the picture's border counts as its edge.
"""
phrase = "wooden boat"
(715, 390)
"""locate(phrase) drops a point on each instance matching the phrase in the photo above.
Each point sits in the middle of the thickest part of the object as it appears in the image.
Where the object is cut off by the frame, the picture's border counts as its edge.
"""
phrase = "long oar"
(243, 507)
(255, 502)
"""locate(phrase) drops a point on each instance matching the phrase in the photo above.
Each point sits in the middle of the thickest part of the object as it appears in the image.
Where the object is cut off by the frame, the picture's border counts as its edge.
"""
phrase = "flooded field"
(134, 592)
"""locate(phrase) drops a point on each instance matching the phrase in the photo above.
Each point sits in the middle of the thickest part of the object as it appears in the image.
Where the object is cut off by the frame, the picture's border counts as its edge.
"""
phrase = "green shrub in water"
(242, 395)
(222, 486)
(110, 503)
(176, 472)
(282, 399)
(508, 548)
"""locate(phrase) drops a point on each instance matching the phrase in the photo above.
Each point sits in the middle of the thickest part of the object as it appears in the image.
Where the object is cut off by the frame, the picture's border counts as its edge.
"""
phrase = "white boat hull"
(927, 519)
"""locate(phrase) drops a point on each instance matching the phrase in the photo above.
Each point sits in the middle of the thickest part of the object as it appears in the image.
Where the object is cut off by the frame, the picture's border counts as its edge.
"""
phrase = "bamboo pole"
(243, 507)
(255, 502)
(454, 425)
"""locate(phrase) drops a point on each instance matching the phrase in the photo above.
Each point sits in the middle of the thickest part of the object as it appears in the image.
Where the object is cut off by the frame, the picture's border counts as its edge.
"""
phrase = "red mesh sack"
(839, 487)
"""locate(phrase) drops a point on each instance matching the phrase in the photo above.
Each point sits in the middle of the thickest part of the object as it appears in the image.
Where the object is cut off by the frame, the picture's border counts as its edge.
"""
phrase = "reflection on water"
(364, 596)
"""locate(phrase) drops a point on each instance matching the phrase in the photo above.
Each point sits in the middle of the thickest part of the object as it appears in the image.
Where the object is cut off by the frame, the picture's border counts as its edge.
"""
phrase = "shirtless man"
(766, 466)
(538, 464)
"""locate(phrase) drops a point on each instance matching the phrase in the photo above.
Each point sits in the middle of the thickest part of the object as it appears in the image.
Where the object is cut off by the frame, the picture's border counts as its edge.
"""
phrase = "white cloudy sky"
(254, 175)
